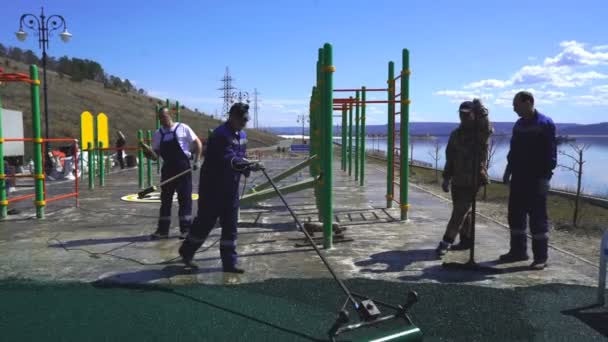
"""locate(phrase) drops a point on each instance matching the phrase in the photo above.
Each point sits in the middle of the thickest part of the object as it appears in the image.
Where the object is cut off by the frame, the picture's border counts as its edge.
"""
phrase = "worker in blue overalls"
(176, 143)
(220, 176)
(530, 163)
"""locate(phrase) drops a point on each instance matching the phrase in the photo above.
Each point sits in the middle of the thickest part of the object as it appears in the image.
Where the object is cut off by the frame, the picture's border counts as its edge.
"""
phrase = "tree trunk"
(578, 188)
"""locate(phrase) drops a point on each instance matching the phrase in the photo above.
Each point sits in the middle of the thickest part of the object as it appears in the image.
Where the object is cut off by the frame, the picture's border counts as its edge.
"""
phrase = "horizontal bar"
(398, 95)
(21, 198)
(360, 89)
(18, 139)
(60, 139)
(60, 197)
(19, 175)
(284, 174)
(397, 77)
(365, 102)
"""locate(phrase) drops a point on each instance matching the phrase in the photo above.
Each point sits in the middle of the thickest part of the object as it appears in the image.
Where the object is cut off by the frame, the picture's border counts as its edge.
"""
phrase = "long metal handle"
(169, 180)
(314, 245)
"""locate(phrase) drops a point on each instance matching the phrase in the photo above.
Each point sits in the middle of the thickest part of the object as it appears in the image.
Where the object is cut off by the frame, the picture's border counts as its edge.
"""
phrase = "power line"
(227, 92)
(255, 108)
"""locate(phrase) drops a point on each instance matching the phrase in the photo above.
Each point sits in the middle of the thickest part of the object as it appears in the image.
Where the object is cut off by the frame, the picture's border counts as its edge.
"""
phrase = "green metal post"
(343, 145)
(140, 160)
(100, 154)
(350, 137)
(363, 150)
(177, 115)
(319, 133)
(405, 133)
(3, 181)
(390, 150)
(38, 173)
(91, 157)
(357, 119)
(327, 144)
(149, 163)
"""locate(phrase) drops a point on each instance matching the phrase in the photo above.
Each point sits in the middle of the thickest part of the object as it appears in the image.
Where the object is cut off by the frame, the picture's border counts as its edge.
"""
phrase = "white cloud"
(505, 98)
(458, 96)
(598, 97)
(575, 54)
(575, 66)
(487, 84)
(600, 89)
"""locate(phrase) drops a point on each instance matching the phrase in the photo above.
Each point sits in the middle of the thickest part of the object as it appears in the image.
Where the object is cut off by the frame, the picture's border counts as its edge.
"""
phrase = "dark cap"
(240, 110)
(466, 107)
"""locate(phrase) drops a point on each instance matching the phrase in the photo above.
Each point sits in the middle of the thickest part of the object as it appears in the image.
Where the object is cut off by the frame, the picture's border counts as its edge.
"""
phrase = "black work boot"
(442, 248)
(513, 257)
(186, 256)
(157, 235)
(233, 269)
(462, 245)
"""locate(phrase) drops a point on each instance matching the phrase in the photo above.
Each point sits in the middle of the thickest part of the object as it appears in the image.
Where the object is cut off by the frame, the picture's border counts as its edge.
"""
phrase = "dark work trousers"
(121, 161)
(460, 221)
(528, 200)
(175, 161)
(208, 214)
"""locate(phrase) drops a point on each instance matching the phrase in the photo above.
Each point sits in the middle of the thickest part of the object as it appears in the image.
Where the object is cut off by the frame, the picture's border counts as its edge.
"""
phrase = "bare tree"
(494, 142)
(436, 157)
(577, 168)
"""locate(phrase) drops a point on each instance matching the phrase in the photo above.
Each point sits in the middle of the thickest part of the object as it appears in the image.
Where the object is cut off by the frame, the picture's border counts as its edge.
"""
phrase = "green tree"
(30, 58)
(15, 53)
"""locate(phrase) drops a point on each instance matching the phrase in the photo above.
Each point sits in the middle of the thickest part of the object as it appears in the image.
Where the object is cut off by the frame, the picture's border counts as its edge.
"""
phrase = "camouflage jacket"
(460, 152)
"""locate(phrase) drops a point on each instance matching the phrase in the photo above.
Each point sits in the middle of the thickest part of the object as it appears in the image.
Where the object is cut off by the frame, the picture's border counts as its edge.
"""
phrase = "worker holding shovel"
(173, 142)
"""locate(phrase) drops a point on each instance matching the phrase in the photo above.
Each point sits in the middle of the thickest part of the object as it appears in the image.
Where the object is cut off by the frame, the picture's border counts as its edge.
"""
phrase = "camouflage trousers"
(460, 221)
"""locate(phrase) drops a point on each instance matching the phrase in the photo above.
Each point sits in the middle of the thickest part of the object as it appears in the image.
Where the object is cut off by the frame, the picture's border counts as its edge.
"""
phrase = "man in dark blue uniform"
(220, 176)
(530, 164)
(174, 142)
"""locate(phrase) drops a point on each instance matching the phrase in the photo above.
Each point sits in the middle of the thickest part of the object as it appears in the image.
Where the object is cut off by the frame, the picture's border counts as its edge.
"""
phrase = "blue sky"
(459, 49)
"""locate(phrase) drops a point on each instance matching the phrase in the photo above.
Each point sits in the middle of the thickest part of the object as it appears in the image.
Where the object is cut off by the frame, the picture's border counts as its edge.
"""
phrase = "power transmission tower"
(255, 108)
(227, 92)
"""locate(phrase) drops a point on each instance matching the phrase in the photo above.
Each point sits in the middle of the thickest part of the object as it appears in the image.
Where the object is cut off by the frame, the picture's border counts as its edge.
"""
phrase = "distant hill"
(420, 128)
(594, 129)
(127, 111)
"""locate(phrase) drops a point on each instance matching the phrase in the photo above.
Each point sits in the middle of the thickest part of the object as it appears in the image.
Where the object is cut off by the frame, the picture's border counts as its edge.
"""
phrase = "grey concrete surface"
(107, 239)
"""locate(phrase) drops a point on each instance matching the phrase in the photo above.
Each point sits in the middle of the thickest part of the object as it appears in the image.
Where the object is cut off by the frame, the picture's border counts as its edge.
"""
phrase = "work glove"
(256, 166)
(445, 185)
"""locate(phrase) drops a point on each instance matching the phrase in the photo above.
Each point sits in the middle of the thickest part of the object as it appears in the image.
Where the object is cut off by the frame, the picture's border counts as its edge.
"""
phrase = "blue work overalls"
(531, 159)
(174, 162)
(219, 193)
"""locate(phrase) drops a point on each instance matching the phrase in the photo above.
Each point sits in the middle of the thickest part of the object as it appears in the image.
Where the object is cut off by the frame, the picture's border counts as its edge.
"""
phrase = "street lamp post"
(43, 26)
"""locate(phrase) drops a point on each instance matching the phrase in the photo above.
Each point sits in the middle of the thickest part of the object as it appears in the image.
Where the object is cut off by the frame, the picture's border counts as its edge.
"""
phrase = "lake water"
(595, 169)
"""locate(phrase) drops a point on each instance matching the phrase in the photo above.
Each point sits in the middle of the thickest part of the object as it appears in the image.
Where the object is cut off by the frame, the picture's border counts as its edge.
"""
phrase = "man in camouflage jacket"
(462, 175)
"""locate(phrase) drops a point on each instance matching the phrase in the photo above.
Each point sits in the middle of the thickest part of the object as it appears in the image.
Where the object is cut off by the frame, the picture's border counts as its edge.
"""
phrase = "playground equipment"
(322, 105)
(360, 102)
(366, 308)
(39, 178)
